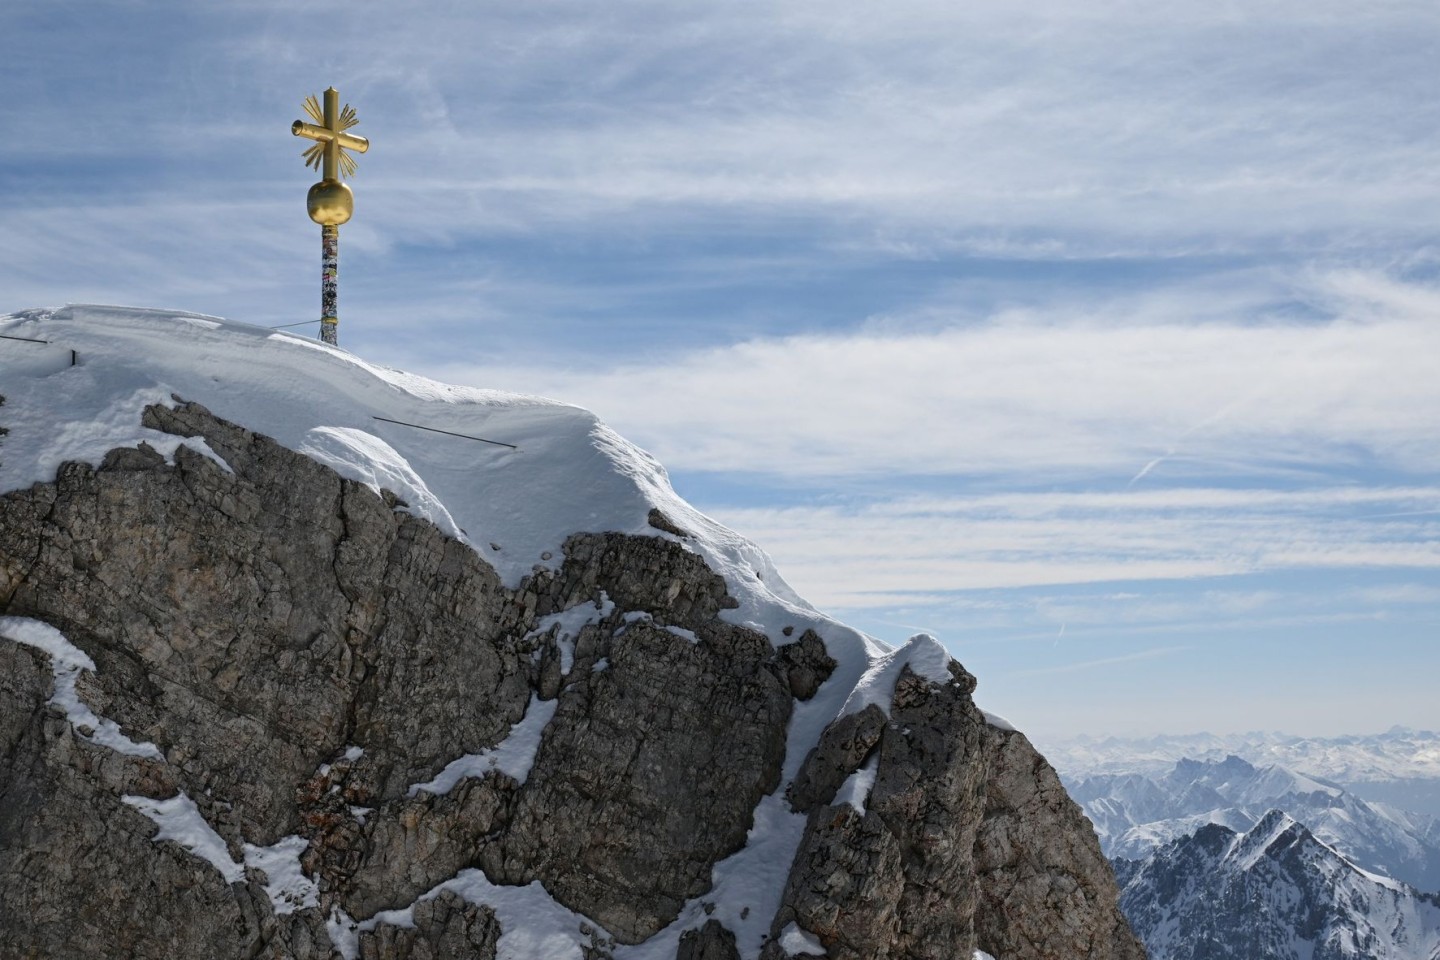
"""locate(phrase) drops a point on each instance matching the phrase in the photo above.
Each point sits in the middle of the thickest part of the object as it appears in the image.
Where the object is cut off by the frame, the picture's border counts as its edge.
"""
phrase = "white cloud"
(863, 557)
(1163, 126)
(927, 129)
(1400, 593)
(1096, 390)
(694, 173)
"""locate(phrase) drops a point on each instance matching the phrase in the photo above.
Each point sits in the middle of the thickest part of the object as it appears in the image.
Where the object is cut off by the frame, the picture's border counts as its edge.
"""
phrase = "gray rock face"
(897, 880)
(304, 654)
(967, 838)
(1037, 858)
(445, 927)
(622, 760)
(710, 942)
(79, 876)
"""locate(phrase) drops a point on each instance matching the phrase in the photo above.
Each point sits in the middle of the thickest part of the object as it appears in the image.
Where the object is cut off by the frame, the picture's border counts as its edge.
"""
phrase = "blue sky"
(1098, 340)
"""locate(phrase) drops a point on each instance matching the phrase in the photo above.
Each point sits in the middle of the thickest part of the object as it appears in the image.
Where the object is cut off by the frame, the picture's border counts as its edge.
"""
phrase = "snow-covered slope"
(81, 393)
(329, 404)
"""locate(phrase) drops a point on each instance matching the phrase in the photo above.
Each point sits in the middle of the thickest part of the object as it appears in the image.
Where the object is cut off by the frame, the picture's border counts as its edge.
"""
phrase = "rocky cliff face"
(250, 708)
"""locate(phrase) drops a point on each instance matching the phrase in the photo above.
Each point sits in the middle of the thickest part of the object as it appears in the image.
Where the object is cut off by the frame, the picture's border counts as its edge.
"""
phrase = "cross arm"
(325, 135)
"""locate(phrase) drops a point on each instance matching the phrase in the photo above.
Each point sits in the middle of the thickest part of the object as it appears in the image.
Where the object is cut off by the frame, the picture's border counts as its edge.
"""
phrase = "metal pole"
(329, 288)
(329, 202)
(332, 123)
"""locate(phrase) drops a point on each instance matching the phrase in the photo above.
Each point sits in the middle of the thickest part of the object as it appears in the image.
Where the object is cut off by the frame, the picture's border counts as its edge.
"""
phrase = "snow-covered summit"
(77, 378)
(1133, 813)
(338, 408)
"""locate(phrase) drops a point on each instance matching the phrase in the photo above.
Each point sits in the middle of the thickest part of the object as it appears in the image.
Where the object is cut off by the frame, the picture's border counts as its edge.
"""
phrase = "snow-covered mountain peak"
(1275, 891)
(1274, 834)
(1133, 813)
(1241, 782)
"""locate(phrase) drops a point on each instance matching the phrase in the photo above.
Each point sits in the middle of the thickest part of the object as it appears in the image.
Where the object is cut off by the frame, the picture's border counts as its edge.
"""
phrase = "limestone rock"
(657, 518)
(446, 928)
(843, 747)
(710, 942)
(614, 818)
(305, 656)
(1046, 890)
(897, 880)
(967, 841)
(807, 664)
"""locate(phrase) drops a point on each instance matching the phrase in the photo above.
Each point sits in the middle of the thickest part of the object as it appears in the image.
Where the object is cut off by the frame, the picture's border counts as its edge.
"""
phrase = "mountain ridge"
(1399, 754)
(1134, 813)
(1274, 891)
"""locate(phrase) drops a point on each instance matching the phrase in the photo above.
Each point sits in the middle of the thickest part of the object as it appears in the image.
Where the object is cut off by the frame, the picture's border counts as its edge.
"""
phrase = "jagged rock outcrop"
(637, 830)
(444, 927)
(917, 870)
(710, 942)
(898, 879)
(309, 660)
(1035, 849)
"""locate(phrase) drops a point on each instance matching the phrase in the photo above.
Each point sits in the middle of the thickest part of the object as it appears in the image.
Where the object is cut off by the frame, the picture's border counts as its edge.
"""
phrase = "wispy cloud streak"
(839, 555)
(1082, 665)
(1103, 390)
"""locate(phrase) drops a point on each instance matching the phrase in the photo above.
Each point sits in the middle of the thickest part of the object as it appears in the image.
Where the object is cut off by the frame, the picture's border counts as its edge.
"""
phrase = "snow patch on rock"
(569, 623)
(796, 940)
(363, 456)
(67, 660)
(514, 755)
(285, 881)
(856, 789)
(181, 821)
(997, 721)
(922, 653)
(532, 923)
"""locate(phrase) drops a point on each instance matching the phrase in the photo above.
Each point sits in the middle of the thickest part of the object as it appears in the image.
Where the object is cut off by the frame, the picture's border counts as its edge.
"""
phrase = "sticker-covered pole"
(329, 285)
(330, 202)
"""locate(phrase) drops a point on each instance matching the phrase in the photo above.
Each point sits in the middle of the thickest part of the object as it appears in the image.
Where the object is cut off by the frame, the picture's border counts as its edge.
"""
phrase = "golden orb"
(330, 203)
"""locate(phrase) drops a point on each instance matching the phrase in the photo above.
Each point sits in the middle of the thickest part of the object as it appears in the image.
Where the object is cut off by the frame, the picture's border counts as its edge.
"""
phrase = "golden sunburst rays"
(314, 155)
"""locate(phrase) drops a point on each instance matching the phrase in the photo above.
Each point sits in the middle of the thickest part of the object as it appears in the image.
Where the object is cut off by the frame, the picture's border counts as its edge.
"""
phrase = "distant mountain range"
(1134, 813)
(1235, 854)
(1397, 757)
(1274, 892)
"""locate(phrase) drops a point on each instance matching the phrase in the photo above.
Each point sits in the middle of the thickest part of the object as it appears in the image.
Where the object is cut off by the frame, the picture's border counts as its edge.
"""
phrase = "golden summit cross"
(330, 202)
